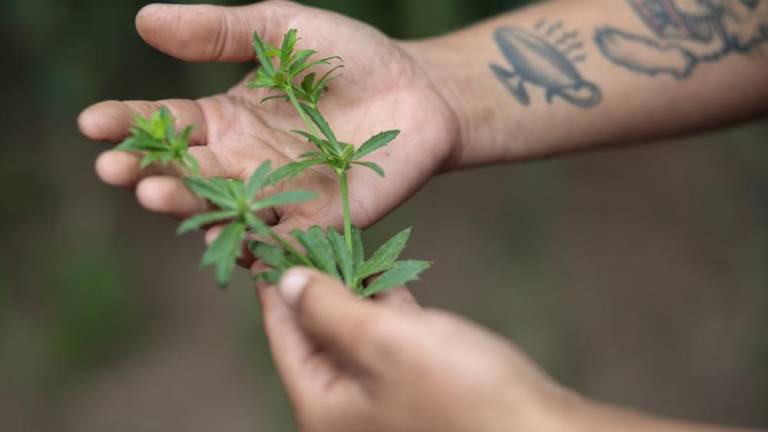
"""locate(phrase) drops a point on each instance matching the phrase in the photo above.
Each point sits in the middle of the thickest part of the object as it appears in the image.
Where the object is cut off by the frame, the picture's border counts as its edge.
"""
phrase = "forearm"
(603, 418)
(569, 75)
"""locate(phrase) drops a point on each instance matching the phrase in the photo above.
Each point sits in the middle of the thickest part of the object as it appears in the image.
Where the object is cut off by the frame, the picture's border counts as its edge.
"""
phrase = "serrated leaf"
(298, 62)
(257, 180)
(256, 225)
(269, 254)
(343, 256)
(212, 190)
(322, 145)
(385, 256)
(262, 79)
(271, 277)
(374, 143)
(372, 166)
(195, 222)
(289, 43)
(152, 157)
(291, 170)
(318, 249)
(283, 198)
(308, 82)
(322, 124)
(261, 54)
(401, 273)
(224, 252)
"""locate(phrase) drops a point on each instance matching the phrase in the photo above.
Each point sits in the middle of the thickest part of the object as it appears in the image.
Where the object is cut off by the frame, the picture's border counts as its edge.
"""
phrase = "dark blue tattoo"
(685, 35)
(533, 60)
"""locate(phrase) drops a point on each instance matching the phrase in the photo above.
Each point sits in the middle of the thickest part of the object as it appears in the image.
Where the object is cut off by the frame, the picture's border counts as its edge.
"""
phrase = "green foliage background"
(637, 276)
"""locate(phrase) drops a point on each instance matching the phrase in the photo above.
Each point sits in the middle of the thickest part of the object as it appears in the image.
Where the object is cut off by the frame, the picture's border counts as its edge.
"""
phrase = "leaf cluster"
(327, 251)
(291, 64)
(339, 156)
(156, 138)
(237, 203)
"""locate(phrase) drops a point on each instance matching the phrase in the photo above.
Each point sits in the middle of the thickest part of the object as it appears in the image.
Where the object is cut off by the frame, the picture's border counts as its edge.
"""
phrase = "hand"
(354, 365)
(382, 88)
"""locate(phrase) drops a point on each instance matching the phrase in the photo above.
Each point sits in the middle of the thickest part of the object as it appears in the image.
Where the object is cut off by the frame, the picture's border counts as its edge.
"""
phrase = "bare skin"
(351, 365)
(234, 133)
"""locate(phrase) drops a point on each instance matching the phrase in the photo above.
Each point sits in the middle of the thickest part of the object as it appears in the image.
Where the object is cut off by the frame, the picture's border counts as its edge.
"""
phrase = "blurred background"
(637, 276)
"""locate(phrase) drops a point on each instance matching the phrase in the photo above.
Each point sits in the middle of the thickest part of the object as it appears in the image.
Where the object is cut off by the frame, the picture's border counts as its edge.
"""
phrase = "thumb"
(331, 315)
(203, 33)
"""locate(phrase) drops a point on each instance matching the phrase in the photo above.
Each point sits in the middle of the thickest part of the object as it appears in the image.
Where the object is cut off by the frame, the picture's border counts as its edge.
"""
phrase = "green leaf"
(283, 198)
(157, 156)
(385, 256)
(289, 43)
(141, 141)
(322, 124)
(298, 63)
(358, 249)
(262, 80)
(307, 83)
(269, 98)
(343, 256)
(291, 170)
(318, 249)
(327, 77)
(401, 273)
(224, 252)
(312, 155)
(257, 180)
(269, 254)
(374, 143)
(322, 145)
(271, 277)
(195, 222)
(256, 225)
(213, 190)
(372, 166)
(261, 54)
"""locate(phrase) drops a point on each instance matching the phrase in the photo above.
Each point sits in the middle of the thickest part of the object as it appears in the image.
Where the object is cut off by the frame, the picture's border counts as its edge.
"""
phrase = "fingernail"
(292, 284)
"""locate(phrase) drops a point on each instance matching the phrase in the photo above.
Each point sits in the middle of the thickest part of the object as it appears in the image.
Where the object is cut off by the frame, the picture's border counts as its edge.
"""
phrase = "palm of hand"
(381, 88)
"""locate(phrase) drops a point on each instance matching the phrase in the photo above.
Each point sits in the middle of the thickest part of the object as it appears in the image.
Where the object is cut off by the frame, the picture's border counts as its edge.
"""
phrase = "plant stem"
(292, 96)
(287, 246)
(344, 186)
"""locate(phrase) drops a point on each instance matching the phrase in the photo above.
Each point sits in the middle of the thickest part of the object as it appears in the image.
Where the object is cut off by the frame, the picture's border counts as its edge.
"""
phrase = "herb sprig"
(286, 71)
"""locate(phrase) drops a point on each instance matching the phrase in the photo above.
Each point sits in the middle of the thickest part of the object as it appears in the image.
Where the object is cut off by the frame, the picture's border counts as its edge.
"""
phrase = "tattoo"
(685, 34)
(545, 59)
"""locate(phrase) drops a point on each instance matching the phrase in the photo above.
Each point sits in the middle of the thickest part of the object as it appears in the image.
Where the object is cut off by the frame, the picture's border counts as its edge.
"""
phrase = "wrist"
(435, 62)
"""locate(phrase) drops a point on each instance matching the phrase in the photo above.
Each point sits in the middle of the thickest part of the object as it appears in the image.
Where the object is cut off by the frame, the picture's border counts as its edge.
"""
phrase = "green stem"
(344, 186)
(292, 96)
(287, 246)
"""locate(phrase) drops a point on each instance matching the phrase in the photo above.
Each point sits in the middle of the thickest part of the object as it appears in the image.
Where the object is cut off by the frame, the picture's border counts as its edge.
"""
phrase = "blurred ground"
(637, 276)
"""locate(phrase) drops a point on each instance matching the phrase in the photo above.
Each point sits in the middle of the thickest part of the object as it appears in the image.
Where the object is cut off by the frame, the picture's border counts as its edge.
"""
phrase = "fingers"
(203, 33)
(168, 195)
(290, 346)
(337, 320)
(400, 298)
(121, 169)
(111, 120)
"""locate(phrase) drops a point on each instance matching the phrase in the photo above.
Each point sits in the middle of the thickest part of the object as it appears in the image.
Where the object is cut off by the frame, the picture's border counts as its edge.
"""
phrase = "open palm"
(382, 88)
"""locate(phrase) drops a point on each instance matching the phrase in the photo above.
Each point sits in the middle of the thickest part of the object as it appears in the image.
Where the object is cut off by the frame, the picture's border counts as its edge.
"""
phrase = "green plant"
(286, 71)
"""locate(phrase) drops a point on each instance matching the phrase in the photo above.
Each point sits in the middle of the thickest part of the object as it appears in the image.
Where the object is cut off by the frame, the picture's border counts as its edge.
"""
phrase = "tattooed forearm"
(546, 59)
(685, 33)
